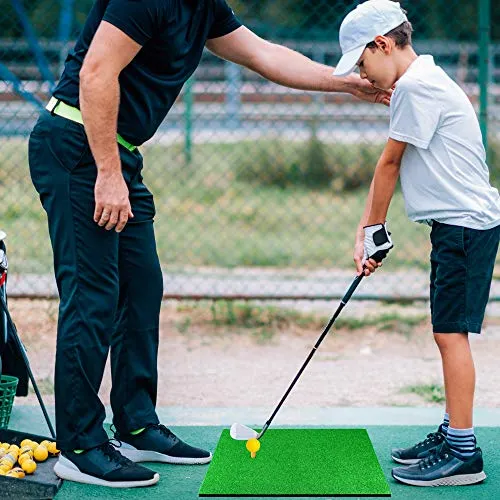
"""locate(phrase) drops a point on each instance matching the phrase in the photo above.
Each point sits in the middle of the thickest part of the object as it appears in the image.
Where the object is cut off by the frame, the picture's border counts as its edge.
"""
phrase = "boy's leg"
(462, 261)
(459, 377)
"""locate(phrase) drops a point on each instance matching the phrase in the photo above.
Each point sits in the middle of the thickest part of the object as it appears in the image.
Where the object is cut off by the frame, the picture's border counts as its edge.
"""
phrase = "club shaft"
(341, 306)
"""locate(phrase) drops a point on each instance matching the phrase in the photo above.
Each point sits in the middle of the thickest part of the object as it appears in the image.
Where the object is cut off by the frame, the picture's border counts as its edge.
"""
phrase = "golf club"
(242, 432)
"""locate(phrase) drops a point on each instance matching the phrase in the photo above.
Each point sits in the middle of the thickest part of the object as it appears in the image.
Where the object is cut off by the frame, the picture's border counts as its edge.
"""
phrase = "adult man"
(124, 74)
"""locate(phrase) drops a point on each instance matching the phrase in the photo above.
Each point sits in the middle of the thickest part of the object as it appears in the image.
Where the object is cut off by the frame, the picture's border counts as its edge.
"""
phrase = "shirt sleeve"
(225, 21)
(136, 18)
(415, 115)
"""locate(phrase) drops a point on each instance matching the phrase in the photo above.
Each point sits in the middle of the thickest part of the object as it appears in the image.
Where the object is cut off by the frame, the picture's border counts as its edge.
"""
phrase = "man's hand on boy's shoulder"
(364, 90)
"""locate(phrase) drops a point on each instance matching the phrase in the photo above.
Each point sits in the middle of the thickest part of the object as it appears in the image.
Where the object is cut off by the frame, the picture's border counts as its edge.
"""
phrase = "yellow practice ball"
(5, 467)
(12, 473)
(45, 443)
(52, 449)
(26, 442)
(29, 466)
(9, 458)
(26, 450)
(34, 444)
(19, 471)
(40, 454)
(5, 446)
(253, 445)
(23, 457)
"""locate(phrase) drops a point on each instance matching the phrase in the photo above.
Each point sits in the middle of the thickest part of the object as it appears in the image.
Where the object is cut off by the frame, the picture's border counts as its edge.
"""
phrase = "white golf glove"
(377, 242)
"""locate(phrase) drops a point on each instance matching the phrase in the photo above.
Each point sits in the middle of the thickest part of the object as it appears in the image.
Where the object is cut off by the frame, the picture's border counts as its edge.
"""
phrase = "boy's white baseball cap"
(361, 26)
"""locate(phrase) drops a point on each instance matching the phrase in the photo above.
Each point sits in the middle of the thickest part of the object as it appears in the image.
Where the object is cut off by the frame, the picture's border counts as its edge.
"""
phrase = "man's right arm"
(111, 50)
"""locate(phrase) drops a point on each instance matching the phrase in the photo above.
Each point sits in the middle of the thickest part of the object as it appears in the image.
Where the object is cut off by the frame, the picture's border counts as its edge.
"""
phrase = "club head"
(242, 432)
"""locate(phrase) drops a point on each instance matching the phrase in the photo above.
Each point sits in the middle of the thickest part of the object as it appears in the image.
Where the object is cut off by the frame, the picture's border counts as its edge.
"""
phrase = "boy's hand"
(377, 243)
(363, 267)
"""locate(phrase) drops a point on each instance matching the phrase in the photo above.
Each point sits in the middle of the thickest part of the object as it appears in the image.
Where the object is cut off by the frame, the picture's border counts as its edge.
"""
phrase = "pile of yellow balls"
(18, 461)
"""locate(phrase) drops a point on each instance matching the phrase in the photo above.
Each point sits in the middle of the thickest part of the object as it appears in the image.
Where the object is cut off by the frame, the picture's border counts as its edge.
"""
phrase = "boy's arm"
(384, 181)
(378, 199)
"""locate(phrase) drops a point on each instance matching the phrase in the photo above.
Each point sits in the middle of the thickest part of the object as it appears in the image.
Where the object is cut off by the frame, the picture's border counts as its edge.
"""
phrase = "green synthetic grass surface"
(297, 462)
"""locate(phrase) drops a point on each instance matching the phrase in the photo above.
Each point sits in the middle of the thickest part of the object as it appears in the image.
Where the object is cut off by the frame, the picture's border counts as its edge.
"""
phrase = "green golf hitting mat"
(297, 463)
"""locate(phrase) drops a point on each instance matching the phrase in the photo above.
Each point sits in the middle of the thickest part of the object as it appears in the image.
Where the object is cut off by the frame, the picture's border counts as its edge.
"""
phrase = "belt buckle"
(56, 103)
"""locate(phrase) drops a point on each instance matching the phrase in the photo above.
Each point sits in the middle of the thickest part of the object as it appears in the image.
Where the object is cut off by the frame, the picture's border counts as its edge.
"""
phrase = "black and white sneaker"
(443, 468)
(103, 466)
(158, 444)
(421, 450)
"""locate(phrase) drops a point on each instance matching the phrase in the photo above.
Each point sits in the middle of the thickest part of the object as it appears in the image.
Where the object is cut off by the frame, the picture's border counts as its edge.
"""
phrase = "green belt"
(64, 110)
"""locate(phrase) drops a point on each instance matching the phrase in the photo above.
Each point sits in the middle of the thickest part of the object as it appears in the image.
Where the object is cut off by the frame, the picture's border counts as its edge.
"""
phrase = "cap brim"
(348, 61)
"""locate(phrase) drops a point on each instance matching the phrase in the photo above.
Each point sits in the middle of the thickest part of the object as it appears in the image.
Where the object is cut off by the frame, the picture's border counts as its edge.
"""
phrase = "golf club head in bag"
(3, 279)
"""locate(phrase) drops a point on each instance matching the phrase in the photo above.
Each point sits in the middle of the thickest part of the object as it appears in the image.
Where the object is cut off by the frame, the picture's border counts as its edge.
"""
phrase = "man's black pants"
(110, 287)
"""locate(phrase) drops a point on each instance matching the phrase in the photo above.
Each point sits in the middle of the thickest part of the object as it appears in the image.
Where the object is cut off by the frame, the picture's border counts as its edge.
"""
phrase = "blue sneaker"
(443, 467)
(414, 454)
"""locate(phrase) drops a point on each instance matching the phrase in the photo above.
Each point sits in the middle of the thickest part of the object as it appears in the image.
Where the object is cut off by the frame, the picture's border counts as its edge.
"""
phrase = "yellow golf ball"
(29, 466)
(40, 454)
(253, 446)
(52, 449)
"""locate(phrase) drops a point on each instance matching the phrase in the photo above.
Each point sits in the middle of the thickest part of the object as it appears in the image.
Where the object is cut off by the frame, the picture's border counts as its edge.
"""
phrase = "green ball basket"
(8, 386)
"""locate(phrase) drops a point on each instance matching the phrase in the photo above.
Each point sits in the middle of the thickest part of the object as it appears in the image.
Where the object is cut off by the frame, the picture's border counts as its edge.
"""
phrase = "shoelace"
(431, 438)
(164, 430)
(434, 458)
(113, 454)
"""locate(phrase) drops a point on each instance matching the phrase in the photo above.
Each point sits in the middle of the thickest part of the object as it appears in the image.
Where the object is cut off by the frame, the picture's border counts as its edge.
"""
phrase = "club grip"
(354, 285)
(380, 255)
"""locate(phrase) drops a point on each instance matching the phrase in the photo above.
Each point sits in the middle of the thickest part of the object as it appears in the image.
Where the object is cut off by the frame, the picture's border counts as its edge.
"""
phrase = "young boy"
(435, 147)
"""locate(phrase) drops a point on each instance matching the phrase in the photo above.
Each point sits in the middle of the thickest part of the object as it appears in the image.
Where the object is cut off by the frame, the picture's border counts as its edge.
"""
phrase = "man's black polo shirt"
(172, 34)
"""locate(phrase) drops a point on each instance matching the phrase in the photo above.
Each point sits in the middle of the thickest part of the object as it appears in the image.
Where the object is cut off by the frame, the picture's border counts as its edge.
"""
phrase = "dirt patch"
(233, 356)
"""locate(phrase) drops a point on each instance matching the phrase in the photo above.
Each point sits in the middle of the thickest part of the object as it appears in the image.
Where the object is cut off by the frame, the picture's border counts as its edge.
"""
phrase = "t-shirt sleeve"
(225, 21)
(415, 114)
(136, 18)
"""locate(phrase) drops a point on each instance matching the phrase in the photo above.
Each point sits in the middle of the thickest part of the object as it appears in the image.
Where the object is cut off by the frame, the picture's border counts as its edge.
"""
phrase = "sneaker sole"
(65, 469)
(153, 456)
(460, 480)
(406, 461)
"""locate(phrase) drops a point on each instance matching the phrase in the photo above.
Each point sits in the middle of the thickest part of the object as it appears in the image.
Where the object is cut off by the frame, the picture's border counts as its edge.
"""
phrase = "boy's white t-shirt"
(444, 176)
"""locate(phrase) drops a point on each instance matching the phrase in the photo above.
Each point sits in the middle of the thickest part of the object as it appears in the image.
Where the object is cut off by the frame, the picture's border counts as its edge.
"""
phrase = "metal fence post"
(484, 56)
(233, 102)
(64, 31)
(32, 39)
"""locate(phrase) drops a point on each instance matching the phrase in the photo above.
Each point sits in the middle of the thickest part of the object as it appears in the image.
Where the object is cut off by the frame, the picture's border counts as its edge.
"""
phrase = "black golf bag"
(13, 358)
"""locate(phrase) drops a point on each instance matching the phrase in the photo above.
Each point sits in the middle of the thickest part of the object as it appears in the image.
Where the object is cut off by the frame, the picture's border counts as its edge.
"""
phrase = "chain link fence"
(258, 188)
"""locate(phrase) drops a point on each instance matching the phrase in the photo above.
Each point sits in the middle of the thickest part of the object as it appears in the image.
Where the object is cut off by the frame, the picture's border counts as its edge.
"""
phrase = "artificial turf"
(299, 463)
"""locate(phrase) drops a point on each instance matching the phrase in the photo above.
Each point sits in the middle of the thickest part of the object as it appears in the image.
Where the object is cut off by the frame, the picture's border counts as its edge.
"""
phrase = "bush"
(314, 164)
(494, 163)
